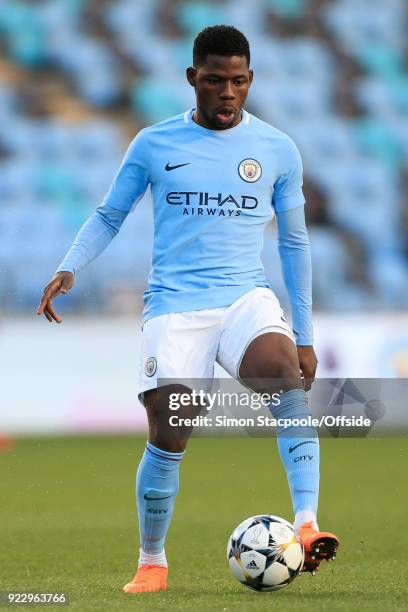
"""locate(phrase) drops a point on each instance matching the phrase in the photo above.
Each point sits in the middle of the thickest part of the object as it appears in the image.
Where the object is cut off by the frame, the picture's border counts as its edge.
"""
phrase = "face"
(221, 85)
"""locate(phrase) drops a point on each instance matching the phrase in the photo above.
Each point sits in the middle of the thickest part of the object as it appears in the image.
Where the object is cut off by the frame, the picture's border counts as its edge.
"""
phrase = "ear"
(191, 74)
(251, 77)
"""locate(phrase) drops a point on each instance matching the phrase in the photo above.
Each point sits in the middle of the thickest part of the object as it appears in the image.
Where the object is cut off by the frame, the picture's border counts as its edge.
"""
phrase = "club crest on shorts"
(150, 366)
(250, 170)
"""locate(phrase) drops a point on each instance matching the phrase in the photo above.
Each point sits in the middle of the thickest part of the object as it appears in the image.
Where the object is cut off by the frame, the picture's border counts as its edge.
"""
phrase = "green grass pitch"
(68, 523)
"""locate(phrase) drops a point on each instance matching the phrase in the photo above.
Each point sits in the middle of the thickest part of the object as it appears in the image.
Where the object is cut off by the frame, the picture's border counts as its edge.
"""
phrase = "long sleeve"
(294, 250)
(126, 190)
(93, 237)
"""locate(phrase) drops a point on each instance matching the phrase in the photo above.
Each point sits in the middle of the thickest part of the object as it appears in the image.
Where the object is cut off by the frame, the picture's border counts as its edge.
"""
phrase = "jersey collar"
(188, 119)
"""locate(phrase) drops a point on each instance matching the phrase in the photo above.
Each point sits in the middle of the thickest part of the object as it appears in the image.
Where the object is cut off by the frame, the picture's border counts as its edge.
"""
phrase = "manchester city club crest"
(250, 170)
(150, 366)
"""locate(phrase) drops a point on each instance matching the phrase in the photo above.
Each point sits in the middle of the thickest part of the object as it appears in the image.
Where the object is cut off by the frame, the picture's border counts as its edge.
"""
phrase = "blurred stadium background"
(78, 79)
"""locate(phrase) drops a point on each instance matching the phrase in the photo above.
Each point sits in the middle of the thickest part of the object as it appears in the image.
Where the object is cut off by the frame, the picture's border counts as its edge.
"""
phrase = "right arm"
(126, 190)
(93, 238)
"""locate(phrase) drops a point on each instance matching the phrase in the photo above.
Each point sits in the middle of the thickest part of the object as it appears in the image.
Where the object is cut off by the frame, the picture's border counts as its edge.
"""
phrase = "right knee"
(162, 434)
(170, 445)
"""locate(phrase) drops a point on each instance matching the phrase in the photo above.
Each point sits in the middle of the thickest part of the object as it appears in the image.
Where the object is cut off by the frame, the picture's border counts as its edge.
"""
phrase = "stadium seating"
(120, 65)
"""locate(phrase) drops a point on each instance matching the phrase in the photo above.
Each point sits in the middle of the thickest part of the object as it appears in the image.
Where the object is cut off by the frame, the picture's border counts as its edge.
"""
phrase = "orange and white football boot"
(319, 546)
(148, 579)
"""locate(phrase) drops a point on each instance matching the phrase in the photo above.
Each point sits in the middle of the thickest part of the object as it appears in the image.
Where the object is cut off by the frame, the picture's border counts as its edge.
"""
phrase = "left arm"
(294, 251)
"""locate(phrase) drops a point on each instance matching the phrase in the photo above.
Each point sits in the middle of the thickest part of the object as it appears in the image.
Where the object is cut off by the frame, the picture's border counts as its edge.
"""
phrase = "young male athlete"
(218, 175)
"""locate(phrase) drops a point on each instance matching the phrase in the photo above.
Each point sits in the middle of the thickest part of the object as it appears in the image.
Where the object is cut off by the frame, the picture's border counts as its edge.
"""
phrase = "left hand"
(308, 365)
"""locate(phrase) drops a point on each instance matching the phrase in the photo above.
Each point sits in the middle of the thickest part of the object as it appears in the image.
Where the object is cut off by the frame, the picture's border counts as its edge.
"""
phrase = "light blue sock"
(299, 451)
(157, 483)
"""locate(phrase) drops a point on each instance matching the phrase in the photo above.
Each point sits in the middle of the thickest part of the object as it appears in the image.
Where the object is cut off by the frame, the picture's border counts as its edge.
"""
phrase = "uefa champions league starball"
(264, 553)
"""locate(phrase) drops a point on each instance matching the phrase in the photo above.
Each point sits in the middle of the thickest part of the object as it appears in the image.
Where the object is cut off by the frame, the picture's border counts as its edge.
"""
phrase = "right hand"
(60, 283)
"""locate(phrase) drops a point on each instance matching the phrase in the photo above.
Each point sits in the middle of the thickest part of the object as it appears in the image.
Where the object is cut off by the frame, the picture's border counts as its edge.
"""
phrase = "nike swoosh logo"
(168, 167)
(156, 498)
(292, 448)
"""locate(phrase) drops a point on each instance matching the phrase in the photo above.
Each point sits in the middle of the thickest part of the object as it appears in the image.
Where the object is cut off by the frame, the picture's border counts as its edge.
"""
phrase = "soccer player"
(218, 175)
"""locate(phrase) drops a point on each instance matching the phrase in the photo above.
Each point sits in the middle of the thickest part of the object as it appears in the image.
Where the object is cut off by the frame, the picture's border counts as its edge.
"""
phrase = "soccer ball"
(264, 553)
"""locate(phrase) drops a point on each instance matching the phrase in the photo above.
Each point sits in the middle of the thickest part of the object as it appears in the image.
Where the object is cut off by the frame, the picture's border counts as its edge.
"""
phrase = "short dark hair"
(220, 40)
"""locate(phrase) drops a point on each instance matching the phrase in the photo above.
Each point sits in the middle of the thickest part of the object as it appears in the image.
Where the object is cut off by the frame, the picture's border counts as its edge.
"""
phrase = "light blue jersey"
(209, 211)
(214, 191)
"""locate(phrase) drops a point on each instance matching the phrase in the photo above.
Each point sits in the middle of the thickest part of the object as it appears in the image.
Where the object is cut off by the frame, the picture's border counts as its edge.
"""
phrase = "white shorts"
(185, 345)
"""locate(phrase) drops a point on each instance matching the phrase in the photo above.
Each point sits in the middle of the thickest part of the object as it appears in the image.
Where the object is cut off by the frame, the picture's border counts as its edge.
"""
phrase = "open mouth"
(225, 116)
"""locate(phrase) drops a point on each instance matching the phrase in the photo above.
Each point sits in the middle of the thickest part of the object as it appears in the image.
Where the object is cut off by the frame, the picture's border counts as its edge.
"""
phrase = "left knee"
(284, 369)
(268, 373)
(280, 367)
